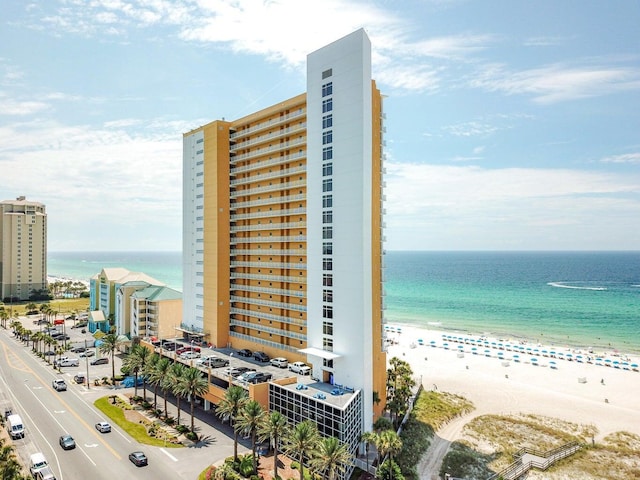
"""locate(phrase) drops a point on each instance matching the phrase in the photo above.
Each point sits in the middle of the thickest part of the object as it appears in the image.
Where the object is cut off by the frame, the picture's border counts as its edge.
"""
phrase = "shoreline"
(550, 341)
(579, 392)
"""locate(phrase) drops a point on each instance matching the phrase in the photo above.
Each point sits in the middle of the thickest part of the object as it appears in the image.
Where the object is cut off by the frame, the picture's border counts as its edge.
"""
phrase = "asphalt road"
(25, 386)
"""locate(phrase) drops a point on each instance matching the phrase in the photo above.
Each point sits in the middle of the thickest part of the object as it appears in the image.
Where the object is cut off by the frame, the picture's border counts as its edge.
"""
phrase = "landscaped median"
(136, 424)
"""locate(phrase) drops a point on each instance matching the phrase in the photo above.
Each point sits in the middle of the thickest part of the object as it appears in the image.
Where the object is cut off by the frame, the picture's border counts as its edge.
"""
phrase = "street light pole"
(86, 361)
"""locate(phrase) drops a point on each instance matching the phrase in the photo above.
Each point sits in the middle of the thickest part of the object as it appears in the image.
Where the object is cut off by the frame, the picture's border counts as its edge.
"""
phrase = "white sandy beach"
(609, 398)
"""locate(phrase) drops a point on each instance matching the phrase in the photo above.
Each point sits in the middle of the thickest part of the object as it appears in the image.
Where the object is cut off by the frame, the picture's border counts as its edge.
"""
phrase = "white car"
(103, 427)
(280, 362)
(300, 368)
(189, 355)
(87, 353)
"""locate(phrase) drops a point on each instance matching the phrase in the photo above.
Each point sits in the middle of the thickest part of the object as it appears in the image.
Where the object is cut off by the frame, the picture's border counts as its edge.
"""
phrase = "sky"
(510, 124)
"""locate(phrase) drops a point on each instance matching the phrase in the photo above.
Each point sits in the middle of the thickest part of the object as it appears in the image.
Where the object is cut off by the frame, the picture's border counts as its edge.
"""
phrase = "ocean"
(578, 299)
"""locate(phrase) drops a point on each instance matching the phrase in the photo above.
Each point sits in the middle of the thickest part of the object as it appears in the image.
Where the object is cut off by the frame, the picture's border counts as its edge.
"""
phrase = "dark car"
(255, 377)
(139, 459)
(100, 361)
(237, 371)
(261, 357)
(78, 349)
(245, 352)
(67, 442)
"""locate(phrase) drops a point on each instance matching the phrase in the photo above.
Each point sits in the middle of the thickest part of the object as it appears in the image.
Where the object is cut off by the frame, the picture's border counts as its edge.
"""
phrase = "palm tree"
(332, 458)
(156, 377)
(274, 429)
(302, 440)
(109, 345)
(162, 371)
(229, 409)
(368, 438)
(133, 363)
(389, 444)
(176, 372)
(193, 385)
(250, 420)
(146, 371)
(4, 316)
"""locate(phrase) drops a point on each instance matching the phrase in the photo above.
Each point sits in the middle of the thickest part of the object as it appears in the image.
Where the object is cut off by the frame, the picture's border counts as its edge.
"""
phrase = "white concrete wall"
(350, 61)
(192, 209)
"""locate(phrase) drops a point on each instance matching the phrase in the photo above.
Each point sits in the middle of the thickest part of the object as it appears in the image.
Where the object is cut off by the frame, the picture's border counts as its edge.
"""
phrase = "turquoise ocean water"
(564, 298)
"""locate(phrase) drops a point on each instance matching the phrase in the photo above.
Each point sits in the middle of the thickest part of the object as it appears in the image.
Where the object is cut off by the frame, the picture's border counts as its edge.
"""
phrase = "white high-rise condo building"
(283, 237)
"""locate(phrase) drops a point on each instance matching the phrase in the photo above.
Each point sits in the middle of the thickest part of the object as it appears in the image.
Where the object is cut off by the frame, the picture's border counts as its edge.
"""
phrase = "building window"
(327, 105)
(327, 264)
(327, 137)
(327, 73)
(327, 328)
(327, 201)
(327, 169)
(327, 363)
(327, 296)
(327, 217)
(327, 344)
(327, 185)
(327, 248)
(327, 121)
(327, 89)
(327, 153)
(327, 233)
(327, 311)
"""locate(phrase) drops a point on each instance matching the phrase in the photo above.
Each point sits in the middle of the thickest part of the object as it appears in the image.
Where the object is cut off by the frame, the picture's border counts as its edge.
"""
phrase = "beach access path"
(579, 392)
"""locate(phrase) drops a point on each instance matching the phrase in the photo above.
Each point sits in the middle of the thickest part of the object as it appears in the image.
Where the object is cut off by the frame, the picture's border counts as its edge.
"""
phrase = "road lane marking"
(168, 455)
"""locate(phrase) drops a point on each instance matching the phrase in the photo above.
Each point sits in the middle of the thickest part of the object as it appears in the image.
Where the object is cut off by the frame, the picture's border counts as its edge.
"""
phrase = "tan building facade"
(23, 249)
(283, 227)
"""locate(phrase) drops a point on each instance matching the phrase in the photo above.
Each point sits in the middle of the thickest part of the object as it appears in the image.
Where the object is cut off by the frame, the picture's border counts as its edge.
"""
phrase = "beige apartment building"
(23, 249)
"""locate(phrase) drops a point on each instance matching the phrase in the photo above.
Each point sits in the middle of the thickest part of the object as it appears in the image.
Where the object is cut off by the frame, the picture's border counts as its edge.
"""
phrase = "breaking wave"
(575, 287)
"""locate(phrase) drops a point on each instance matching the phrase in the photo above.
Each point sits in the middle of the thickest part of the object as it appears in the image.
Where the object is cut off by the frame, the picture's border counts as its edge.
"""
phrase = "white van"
(15, 426)
(37, 462)
(45, 474)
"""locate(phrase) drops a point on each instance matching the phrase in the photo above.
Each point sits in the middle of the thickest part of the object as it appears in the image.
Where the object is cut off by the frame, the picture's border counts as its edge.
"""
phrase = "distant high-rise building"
(23, 249)
(282, 235)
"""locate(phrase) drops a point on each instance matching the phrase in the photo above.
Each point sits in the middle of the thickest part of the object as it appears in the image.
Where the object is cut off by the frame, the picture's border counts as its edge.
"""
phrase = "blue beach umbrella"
(634, 366)
(474, 350)
(460, 347)
(487, 353)
(516, 358)
(534, 360)
(445, 345)
(552, 364)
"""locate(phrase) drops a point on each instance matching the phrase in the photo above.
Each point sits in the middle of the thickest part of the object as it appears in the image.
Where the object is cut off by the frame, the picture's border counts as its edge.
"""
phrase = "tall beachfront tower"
(282, 234)
(23, 248)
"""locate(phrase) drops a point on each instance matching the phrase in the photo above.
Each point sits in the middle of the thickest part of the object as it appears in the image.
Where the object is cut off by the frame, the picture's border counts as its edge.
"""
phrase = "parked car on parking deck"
(237, 371)
(255, 377)
(87, 353)
(188, 355)
(100, 361)
(245, 352)
(213, 362)
(280, 362)
(261, 357)
(300, 368)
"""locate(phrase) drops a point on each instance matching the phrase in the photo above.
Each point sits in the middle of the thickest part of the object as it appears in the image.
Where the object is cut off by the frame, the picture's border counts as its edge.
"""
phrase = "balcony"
(274, 148)
(268, 188)
(267, 226)
(268, 124)
(268, 316)
(269, 176)
(271, 136)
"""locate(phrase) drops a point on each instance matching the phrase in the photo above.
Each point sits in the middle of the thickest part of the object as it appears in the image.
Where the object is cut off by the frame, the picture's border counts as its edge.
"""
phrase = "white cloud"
(624, 158)
(467, 207)
(557, 83)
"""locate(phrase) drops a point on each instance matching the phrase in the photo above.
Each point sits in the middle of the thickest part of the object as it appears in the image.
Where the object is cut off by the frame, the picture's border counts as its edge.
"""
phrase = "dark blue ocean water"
(565, 298)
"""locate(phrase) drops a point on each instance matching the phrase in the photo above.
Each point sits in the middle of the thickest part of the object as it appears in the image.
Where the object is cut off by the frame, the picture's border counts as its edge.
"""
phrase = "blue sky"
(511, 125)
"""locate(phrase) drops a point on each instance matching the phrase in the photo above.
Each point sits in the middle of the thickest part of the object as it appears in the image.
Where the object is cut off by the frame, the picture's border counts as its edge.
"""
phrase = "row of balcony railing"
(269, 278)
(273, 291)
(273, 135)
(268, 201)
(271, 330)
(267, 150)
(266, 226)
(269, 175)
(267, 162)
(268, 303)
(268, 188)
(274, 238)
(285, 265)
(268, 123)
(268, 316)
